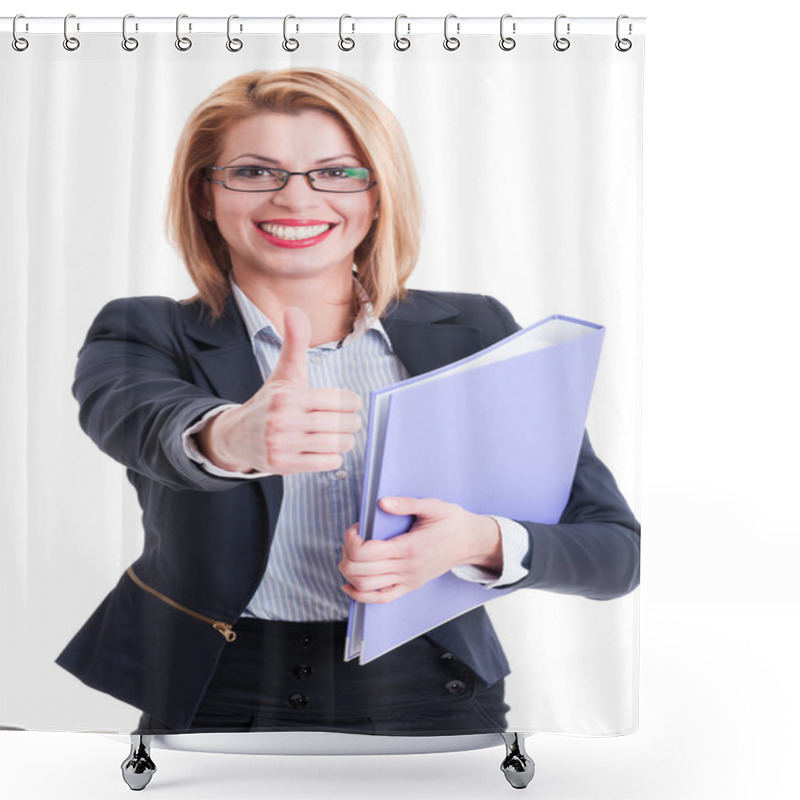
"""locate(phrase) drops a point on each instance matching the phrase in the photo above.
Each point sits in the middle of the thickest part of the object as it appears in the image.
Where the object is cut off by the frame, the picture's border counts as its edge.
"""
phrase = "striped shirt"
(302, 582)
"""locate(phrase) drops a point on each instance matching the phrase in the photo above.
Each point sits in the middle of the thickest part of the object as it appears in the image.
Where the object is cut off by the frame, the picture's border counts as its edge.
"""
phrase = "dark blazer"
(151, 367)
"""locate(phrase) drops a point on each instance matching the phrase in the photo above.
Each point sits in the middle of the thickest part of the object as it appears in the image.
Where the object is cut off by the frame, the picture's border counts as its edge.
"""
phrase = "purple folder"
(498, 433)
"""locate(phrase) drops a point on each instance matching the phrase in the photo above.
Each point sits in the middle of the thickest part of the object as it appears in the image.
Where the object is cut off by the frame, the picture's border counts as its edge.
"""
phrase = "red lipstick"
(284, 231)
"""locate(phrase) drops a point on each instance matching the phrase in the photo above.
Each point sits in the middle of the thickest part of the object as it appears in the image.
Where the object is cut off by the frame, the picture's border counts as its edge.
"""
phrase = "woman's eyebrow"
(255, 157)
(337, 158)
(326, 160)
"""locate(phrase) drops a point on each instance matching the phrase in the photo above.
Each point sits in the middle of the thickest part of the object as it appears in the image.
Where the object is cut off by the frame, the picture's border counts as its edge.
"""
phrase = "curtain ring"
(401, 42)
(561, 43)
(70, 42)
(451, 42)
(506, 42)
(345, 42)
(18, 42)
(129, 43)
(234, 45)
(289, 44)
(623, 45)
(182, 42)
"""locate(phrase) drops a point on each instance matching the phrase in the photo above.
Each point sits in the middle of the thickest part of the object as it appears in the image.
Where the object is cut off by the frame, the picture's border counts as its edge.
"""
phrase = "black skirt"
(291, 676)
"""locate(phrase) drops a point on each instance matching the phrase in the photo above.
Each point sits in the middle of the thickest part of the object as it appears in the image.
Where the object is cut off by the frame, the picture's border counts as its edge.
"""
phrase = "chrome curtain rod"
(451, 28)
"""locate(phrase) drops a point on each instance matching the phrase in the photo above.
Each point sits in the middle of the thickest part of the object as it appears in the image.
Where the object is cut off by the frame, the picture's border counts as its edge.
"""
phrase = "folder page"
(498, 432)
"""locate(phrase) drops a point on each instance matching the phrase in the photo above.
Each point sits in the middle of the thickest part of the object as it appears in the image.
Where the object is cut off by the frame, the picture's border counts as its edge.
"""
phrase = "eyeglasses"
(255, 178)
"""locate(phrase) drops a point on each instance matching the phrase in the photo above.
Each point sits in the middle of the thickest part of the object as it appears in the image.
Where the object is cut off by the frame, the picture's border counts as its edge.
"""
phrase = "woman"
(240, 414)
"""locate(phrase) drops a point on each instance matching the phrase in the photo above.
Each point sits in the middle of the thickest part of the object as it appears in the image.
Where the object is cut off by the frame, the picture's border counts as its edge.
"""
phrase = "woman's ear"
(202, 202)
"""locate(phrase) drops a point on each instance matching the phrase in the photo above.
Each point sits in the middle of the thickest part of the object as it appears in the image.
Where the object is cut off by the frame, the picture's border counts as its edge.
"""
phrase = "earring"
(209, 215)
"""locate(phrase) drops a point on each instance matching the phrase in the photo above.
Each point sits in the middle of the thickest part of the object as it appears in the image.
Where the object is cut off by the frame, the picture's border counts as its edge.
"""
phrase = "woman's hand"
(286, 426)
(443, 536)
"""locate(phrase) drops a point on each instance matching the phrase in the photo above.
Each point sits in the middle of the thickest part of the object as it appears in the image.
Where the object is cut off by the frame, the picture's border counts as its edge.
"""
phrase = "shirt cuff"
(190, 448)
(515, 543)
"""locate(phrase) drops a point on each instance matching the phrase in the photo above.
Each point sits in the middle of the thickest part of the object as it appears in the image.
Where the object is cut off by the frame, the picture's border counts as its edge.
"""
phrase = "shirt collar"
(257, 322)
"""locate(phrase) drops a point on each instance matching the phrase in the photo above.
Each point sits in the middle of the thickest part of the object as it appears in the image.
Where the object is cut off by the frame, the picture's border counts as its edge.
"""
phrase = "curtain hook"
(345, 42)
(129, 43)
(289, 44)
(506, 42)
(561, 43)
(623, 45)
(182, 42)
(18, 42)
(70, 42)
(401, 42)
(451, 42)
(234, 45)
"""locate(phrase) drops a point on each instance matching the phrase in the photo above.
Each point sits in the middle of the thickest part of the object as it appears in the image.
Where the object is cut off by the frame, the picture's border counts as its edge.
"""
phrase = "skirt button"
(302, 671)
(298, 700)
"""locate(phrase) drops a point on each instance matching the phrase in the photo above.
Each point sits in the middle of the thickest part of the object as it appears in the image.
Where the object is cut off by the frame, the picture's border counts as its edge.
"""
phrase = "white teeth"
(294, 232)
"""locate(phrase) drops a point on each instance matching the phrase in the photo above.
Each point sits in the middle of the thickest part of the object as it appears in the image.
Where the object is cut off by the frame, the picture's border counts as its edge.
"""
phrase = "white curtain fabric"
(530, 164)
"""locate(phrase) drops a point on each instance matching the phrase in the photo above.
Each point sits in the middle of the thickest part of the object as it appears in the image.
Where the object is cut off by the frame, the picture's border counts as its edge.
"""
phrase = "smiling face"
(295, 232)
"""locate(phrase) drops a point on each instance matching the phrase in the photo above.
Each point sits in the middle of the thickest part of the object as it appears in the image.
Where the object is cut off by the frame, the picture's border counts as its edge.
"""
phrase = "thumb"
(410, 506)
(292, 364)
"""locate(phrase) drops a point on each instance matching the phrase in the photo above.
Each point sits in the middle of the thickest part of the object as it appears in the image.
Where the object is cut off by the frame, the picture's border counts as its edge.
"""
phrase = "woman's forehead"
(310, 133)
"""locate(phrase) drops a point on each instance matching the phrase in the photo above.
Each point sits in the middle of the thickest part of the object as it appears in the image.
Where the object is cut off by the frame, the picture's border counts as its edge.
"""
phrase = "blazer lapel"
(223, 351)
(224, 354)
(419, 338)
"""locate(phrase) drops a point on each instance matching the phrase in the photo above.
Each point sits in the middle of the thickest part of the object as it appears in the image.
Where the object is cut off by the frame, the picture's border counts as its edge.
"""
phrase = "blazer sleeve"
(594, 549)
(134, 385)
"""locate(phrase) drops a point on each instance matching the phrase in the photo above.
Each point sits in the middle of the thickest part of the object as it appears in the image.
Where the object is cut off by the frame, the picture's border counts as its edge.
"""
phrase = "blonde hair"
(388, 253)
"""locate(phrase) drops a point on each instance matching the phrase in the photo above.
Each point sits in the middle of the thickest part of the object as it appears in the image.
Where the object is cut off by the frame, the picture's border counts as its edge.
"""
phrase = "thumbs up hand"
(286, 426)
(291, 366)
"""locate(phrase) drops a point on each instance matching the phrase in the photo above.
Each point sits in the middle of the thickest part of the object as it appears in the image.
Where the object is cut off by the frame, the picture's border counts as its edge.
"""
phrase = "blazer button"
(298, 700)
(447, 658)
(302, 671)
(306, 640)
(455, 687)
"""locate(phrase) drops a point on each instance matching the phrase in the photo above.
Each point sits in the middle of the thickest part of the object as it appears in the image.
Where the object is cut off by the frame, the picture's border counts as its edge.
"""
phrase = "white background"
(720, 600)
(553, 224)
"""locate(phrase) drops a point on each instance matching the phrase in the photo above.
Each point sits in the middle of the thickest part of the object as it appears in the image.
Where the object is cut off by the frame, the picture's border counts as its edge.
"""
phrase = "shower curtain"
(528, 151)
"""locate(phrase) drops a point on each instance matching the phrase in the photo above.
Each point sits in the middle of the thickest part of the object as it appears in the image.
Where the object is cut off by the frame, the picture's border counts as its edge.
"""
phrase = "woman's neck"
(331, 308)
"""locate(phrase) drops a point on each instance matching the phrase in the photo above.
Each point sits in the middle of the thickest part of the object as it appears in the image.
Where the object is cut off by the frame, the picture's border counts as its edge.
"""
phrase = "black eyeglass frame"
(287, 176)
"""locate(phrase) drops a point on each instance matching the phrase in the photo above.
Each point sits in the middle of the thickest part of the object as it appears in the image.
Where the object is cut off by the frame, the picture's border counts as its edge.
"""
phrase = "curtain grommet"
(129, 43)
(70, 43)
(506, 42)
(623, 44)
(346, 43)
(561, 43)
(183, 43)
(451, 43)
(401, 43)
(233, 44)
(289, 44)
(19, 43)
